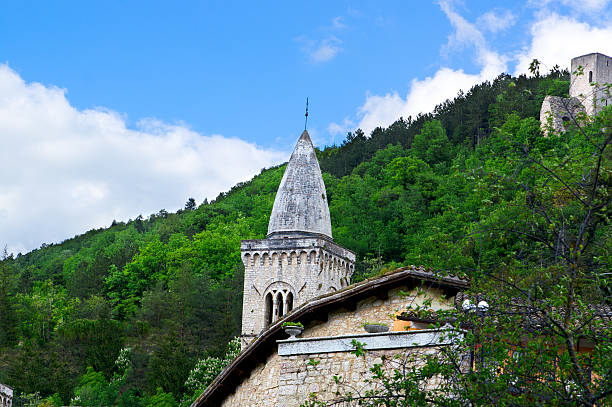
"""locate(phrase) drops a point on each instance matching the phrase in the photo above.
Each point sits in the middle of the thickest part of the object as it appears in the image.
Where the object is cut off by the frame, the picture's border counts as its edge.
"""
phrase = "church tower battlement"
(298, 260)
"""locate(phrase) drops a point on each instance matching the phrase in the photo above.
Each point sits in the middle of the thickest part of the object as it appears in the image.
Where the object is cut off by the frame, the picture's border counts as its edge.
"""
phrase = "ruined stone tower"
(587, 93)
(298, 260)
(588, 87)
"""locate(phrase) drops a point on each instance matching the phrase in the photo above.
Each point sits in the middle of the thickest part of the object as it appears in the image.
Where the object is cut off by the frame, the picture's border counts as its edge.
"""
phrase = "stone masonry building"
(588, 93)
(298, 274)
(273, 371)
(298, 260)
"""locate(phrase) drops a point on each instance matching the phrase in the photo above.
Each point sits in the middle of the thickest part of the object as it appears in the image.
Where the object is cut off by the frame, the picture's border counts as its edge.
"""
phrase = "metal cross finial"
(306, 122)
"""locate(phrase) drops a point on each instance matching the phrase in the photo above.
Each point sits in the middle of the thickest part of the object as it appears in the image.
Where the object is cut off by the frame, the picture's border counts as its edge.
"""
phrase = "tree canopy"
(432, 190)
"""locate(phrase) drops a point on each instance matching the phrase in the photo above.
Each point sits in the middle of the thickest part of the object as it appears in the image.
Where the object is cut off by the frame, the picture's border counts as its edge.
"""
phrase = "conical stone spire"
(301, 206)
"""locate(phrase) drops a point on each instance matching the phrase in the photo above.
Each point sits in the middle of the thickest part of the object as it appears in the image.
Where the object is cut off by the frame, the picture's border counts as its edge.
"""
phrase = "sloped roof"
(316, 310)
(301, 201)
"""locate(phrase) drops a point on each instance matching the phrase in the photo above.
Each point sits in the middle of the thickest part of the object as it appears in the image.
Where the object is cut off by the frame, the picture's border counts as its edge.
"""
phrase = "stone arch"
(279, 292)
(256, 258)
(247, 260)
(274, 257)
(293, 258)
(312, 256)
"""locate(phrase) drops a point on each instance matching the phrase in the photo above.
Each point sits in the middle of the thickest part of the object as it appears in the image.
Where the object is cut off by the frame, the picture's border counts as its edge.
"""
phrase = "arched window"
(590, 76)
(269, 307)
(279, 305)
(289, 302)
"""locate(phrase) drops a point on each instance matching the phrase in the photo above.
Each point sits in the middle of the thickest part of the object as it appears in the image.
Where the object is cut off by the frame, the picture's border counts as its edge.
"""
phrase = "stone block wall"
(326, 375)
(373, 309)
(6, 396)
(557, 113)
(288, 381)
(597, 71)
(293, 271)
(261, 388)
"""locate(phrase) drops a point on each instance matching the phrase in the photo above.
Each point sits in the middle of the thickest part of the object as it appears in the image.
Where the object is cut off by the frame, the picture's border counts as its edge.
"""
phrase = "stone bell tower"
(298, 260)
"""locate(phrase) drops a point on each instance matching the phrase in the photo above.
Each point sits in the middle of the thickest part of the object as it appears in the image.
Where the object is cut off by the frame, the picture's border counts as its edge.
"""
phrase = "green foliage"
(298, 324)
(8, 313)
(359, 348)
(205, 371)
(424, 191)
(161, 399)
(541, 253)
(314, 363)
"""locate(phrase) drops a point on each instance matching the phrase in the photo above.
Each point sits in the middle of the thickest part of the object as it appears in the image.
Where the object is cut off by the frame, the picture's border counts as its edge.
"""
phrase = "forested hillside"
(122, 315)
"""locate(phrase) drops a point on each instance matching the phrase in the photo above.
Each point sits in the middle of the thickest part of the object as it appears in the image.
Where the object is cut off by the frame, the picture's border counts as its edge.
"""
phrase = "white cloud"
(326, 50)
(321, 51)
(338, 23)
(339, 130)
(425, 94)
(580, 6)
(336, 129)
(65, 171)
(556, 39)
(465, 33)
(495, 22)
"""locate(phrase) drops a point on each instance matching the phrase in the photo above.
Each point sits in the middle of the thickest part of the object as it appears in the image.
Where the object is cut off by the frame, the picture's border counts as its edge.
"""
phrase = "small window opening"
(279, 305)
(566, 121)
(269, 305)
(289, 302)
(590, 76)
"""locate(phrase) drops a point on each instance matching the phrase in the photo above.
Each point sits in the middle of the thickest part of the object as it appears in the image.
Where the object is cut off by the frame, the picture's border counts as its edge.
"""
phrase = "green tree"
(8, 313)
(543, 268)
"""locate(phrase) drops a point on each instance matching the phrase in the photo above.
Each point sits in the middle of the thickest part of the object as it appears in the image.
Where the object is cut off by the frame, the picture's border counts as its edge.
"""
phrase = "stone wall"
(6, 396)
(557, 113)
(373, 309)
(287, 381)
(327, 374)
(260, 389)
(292, 271)
(596, 71)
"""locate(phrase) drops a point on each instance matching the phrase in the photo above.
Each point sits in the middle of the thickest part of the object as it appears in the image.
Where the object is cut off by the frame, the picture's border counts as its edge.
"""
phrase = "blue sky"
(241, 69)
(113, 109)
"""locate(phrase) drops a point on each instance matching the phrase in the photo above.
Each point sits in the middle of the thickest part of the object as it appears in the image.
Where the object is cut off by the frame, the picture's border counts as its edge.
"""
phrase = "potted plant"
(375, 327)
(292, 328)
